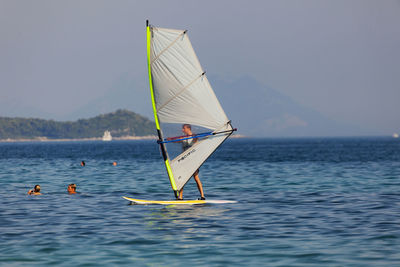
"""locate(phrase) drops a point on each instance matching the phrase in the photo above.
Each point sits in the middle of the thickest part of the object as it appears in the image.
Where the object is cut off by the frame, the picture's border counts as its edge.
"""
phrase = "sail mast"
(159, 132)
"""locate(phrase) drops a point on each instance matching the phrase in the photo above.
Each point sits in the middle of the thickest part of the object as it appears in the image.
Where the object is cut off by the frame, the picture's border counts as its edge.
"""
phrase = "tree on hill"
(119, 123)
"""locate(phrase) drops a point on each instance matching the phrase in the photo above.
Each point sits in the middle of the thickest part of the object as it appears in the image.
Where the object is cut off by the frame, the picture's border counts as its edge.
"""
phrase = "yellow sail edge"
(166, 161)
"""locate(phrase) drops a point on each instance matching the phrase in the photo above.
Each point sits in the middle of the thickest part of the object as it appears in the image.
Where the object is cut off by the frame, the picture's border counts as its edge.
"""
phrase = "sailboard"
(181, 94)
(178, 202)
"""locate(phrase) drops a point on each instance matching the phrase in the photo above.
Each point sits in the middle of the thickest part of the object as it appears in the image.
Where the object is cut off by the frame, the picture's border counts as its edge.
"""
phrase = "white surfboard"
(178, 202)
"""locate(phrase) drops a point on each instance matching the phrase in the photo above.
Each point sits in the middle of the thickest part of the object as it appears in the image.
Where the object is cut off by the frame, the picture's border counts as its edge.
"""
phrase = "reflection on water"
(182, 215)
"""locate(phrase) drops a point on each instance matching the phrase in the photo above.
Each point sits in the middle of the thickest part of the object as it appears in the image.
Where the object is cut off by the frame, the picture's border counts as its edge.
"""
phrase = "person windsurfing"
(186, 144)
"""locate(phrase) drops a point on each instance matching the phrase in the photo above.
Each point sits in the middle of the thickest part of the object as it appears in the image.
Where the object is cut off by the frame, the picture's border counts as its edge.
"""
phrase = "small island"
(122, 125)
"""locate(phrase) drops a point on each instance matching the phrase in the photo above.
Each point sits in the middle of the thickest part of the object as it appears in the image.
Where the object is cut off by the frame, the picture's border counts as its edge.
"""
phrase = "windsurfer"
(186, 144)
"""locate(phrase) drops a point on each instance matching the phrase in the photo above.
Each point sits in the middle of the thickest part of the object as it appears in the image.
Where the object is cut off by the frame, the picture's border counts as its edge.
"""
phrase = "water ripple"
(302, 202)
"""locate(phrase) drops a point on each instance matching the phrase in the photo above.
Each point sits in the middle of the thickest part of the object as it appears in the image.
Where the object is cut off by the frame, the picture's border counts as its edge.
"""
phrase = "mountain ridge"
(272, 113)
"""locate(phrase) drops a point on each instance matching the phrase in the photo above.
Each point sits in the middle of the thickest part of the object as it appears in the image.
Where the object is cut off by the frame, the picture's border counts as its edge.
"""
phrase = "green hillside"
(119, 123)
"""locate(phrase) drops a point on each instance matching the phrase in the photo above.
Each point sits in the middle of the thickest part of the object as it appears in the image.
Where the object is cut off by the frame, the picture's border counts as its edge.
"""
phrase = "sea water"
(301, 202)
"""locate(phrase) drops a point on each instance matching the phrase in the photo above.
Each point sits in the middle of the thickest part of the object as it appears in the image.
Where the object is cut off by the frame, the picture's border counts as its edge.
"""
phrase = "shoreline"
(45, 139)
(121, 138)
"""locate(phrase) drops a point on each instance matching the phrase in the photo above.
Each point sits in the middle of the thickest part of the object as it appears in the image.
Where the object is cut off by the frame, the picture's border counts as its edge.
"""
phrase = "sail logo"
(187, 155)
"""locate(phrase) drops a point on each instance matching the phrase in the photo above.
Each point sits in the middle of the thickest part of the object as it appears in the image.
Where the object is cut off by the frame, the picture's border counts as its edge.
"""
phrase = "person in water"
(186, 144)
(72, 189)
(35, 190)
(83, 163)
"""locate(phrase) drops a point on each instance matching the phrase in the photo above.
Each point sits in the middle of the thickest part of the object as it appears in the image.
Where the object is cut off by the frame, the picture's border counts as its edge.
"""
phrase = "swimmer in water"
(114, 163)
(72, 189)
(35, 190)
(83, 163)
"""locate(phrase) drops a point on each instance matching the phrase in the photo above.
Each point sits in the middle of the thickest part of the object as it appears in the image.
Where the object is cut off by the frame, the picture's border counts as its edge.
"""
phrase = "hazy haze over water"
(339, 58)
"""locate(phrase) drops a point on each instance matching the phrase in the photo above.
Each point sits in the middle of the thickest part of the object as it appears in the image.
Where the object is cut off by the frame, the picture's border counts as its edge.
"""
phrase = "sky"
(340, 58)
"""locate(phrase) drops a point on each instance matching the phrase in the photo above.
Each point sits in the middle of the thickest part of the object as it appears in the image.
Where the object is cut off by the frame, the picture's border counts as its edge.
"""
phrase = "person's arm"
(173, 138)
(178, 137)
(30, 192)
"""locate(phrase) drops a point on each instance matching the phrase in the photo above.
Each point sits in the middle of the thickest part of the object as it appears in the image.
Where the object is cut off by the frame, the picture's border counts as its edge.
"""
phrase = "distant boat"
(107, 136)
(395, 135)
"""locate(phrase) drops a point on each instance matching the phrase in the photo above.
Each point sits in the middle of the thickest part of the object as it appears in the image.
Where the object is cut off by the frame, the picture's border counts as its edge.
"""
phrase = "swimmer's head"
(71, 188)
(83, 163)
(114, 163)
(36, 189)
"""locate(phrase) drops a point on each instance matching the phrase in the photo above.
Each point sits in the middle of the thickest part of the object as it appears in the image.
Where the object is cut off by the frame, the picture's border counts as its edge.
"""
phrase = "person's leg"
(180, 194)
(198, 182)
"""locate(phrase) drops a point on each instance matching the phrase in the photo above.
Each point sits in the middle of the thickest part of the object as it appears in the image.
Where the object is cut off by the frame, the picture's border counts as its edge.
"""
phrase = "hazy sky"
(341, 58)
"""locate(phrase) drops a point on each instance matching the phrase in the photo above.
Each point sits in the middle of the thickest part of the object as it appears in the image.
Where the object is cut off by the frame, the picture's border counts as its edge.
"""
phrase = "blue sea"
(301, 202)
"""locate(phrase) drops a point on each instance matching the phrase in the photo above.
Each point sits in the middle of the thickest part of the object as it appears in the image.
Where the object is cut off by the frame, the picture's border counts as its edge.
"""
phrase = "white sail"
(181, 94)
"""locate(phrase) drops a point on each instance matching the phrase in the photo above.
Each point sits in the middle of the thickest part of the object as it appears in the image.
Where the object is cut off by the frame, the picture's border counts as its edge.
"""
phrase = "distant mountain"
(125, 93)
(254, 108)
(258, 111)
(119, 123)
